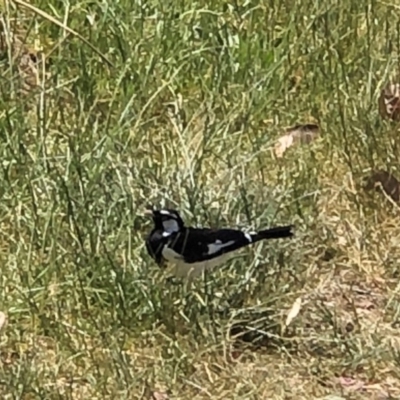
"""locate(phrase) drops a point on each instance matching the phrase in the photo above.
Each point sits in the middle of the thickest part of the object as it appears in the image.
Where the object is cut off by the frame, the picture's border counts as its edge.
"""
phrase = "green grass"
(187, 117)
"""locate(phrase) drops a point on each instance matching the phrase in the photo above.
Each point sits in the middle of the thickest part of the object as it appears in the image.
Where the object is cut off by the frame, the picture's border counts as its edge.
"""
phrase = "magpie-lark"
(194, 250)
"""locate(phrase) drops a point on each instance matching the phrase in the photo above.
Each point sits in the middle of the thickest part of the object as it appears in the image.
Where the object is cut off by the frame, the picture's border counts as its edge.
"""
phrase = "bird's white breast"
(196, 269)
(192, 270)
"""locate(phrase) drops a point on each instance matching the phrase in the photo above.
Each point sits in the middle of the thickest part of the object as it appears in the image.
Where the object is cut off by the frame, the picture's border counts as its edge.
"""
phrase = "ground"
(110, 106)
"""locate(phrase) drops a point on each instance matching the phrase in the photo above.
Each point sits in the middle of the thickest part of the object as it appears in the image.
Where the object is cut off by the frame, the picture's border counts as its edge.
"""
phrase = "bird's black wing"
(201, 244)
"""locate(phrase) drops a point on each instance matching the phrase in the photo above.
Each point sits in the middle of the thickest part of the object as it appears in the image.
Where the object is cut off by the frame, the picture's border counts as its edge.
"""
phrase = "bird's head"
(166, 219)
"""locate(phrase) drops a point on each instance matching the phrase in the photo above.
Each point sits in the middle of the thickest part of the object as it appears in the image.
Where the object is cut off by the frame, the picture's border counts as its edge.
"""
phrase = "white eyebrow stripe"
(217, 246)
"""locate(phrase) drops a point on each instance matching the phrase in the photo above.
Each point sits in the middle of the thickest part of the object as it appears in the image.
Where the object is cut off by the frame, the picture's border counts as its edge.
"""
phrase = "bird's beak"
(148, 213)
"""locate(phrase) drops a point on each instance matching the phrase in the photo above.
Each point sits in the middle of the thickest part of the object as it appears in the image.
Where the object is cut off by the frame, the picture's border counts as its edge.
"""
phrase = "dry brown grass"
(189, 117)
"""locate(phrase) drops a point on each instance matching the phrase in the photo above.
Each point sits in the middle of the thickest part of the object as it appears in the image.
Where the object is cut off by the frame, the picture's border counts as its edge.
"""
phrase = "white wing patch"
(217, 246)
(248, 237)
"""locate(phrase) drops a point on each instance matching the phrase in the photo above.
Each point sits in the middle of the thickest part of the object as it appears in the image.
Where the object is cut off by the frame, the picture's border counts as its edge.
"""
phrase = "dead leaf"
(385, 180)
(351, 384)
(235, 354)
(159, 396)
(294, 311)
(3, 320)
(299, 134)
(283, 144)
(389, 102)
(365, 304)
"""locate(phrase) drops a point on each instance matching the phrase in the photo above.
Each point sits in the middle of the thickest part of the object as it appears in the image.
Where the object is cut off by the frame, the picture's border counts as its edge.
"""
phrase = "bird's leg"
(209, 294)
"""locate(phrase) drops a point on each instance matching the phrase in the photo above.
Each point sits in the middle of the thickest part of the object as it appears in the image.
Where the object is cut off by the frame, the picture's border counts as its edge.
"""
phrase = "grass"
(187, 116)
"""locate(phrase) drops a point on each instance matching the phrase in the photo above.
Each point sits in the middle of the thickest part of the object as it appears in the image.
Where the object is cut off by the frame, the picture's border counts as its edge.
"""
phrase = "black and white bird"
(194, 250)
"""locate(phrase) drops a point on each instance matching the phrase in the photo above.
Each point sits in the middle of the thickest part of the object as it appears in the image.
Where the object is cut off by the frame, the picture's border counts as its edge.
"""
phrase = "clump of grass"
(187, 114)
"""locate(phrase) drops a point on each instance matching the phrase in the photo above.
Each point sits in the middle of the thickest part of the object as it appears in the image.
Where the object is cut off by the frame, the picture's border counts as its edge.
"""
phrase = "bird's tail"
(274, 233)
